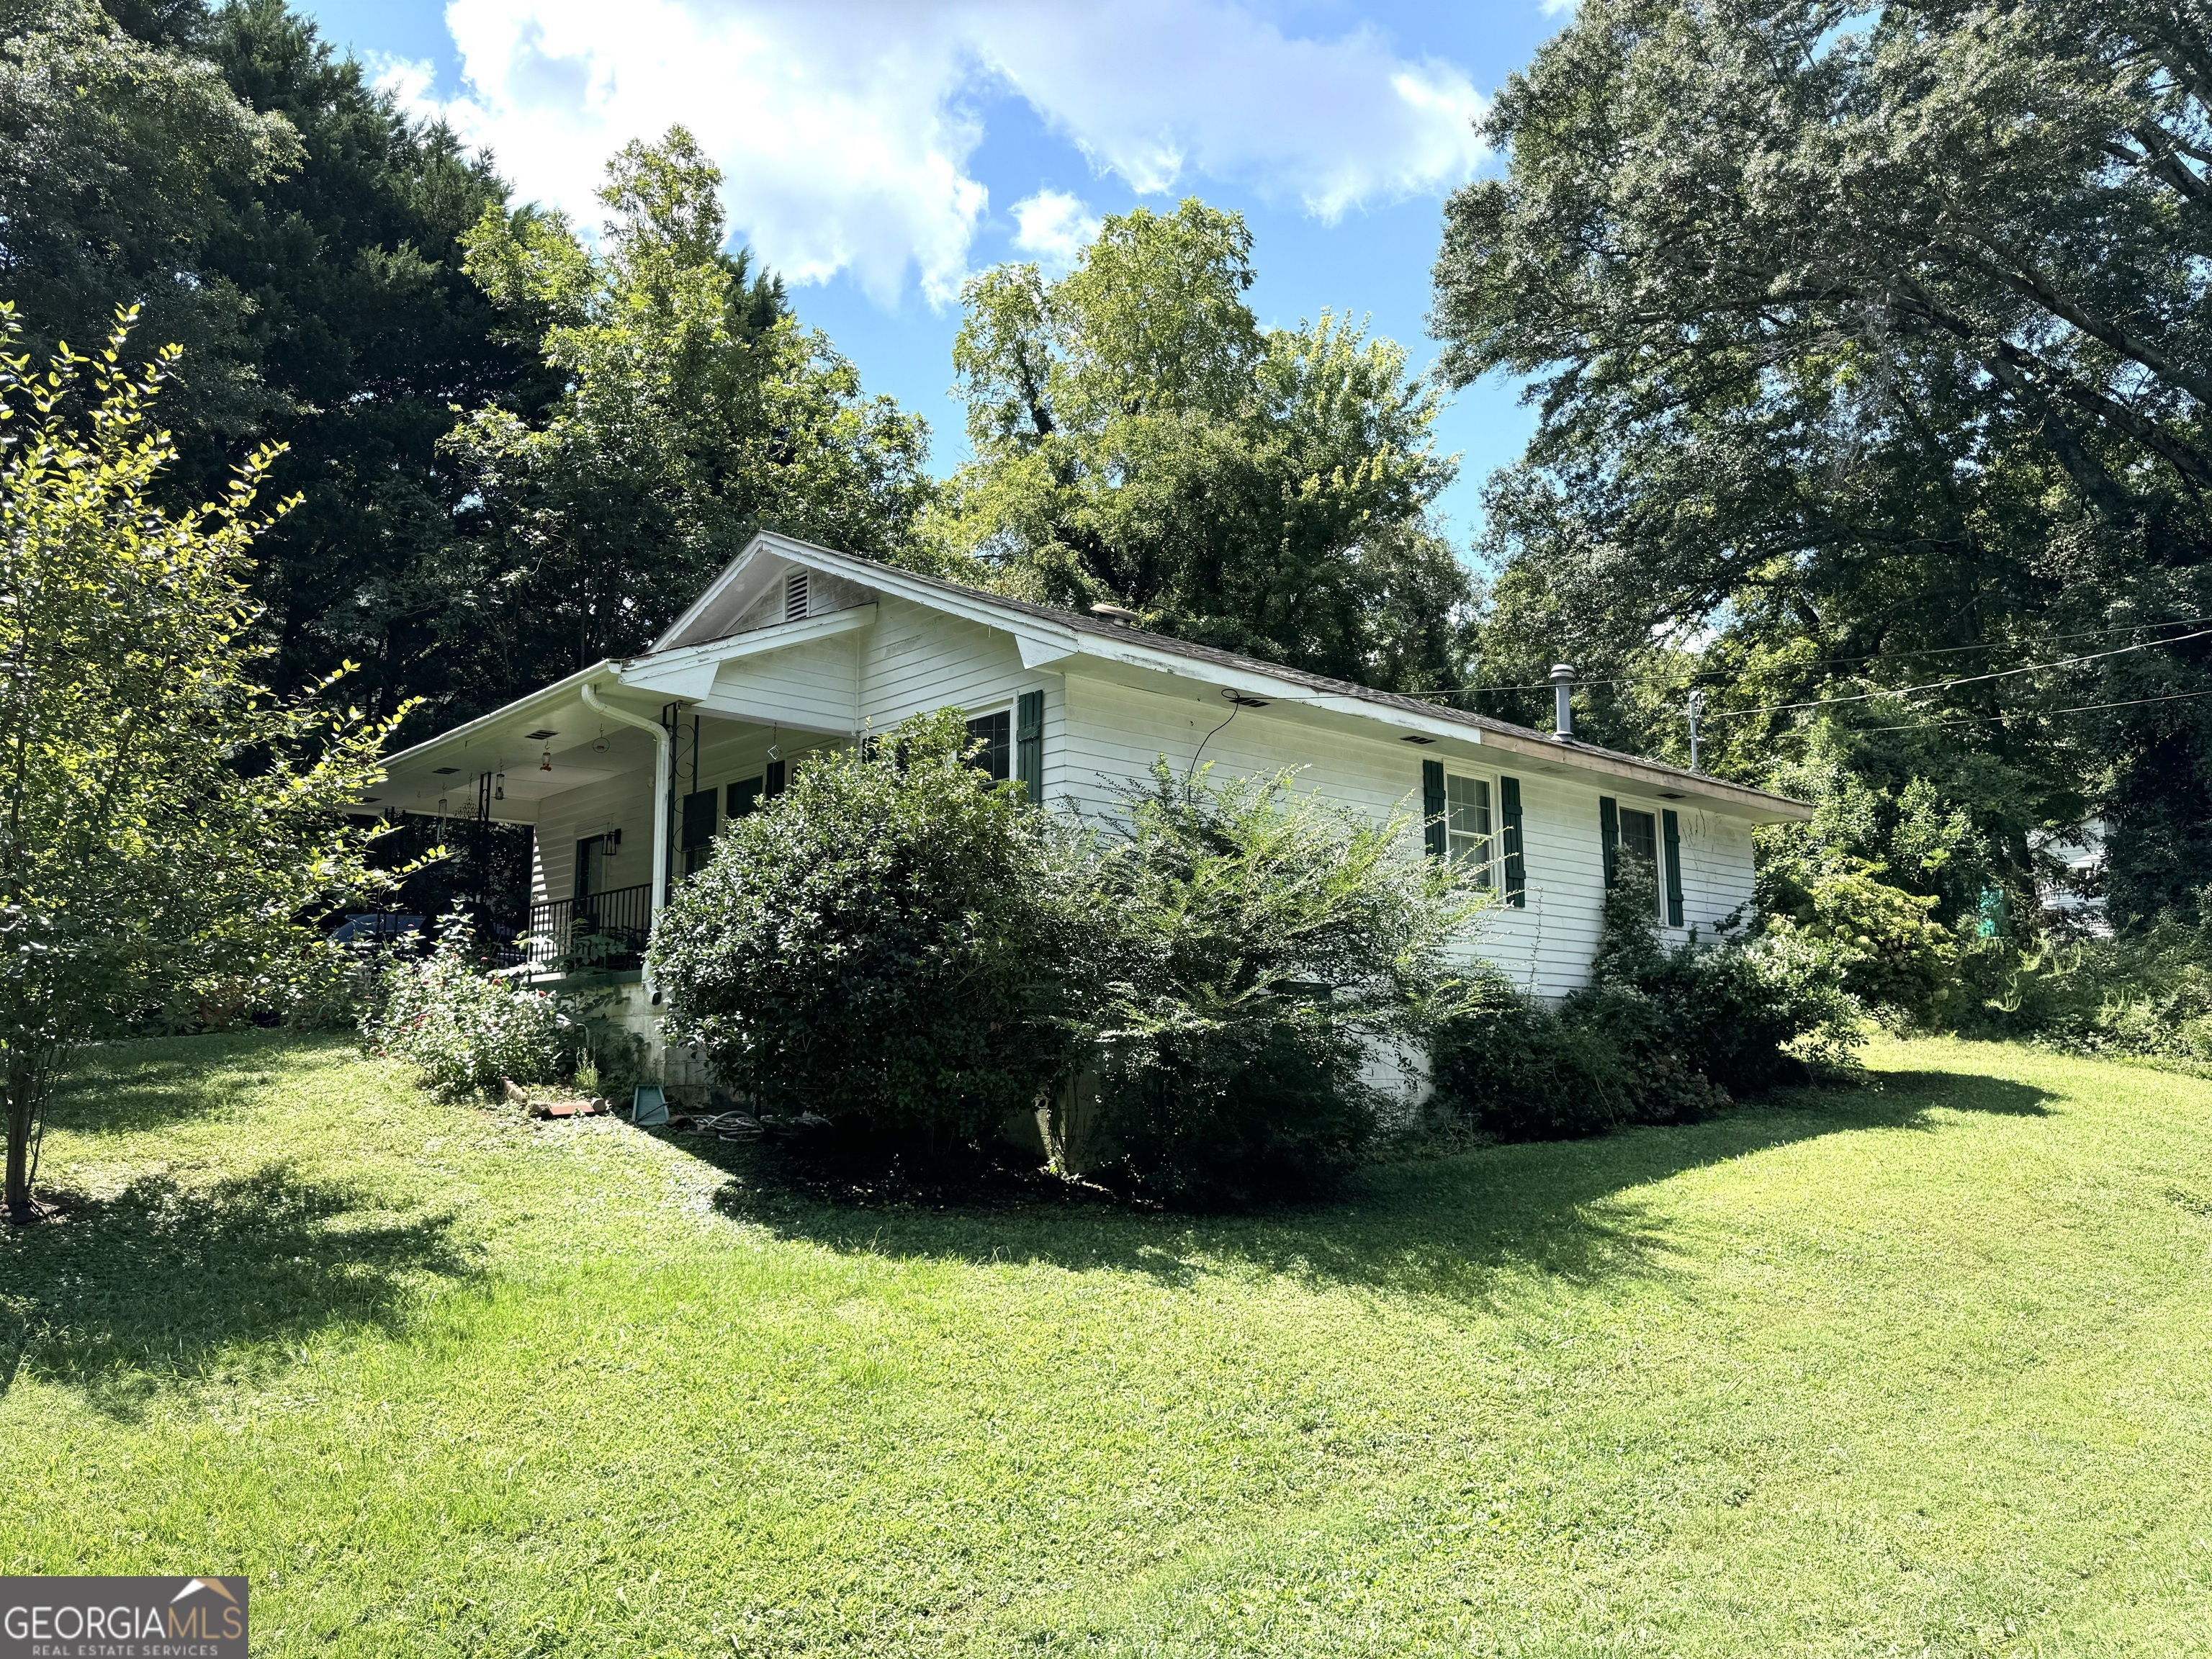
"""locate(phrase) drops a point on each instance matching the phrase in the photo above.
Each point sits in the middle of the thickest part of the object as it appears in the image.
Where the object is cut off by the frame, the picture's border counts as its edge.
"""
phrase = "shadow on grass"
(120, 1297)
(1458, 1227)
(128, 1088)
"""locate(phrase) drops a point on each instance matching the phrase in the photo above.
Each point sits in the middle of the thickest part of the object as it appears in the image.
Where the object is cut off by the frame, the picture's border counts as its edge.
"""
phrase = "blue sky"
(875, 150)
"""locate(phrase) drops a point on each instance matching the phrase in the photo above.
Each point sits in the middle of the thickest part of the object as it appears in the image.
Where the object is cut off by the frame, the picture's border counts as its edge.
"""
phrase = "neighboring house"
(626, 769)
(2070, 877)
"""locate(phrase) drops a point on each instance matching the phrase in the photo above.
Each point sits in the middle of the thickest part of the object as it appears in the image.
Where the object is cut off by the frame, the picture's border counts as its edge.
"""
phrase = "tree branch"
(2024, 279)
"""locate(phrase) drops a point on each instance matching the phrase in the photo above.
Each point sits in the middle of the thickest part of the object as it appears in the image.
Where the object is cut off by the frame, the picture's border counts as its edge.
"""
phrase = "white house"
(625, 769)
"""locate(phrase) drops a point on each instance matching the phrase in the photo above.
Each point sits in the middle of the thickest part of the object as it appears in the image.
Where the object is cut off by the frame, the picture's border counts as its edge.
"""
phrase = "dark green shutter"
(1432, 808)
(1029, 744)
(1672, 825)
(1609, 829)
(1509, 819)
(771, 780)
(698, 828)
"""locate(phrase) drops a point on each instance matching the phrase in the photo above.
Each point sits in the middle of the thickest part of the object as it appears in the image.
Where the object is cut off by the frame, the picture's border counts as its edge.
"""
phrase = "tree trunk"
(27, 1077)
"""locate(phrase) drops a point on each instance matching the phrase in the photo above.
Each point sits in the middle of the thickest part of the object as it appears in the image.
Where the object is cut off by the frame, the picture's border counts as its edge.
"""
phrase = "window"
(996, 733)
(744, 798)
(1468, 825)
(794, 595)
(1639, 849)
(1639, 839)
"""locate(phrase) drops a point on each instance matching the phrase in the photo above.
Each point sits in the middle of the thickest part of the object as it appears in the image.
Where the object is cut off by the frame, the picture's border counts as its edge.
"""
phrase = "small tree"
(1268, 942)
(895, 943)
(166, 820)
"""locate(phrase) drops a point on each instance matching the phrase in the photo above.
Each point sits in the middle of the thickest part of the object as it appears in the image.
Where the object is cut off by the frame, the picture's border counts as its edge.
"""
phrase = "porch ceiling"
(555, 724)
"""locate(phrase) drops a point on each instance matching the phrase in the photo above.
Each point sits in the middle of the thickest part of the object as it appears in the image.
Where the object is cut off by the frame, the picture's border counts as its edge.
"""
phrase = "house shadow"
(163, 1284)
(1468, 1227)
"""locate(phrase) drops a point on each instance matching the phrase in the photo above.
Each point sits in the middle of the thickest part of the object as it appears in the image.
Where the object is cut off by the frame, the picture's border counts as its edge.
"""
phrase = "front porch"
(622, 791)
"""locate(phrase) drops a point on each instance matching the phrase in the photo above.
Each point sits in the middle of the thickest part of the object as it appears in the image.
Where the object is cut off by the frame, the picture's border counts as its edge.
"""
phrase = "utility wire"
(1863, 697)
(2038, 714)
(1836, 662)
(1967, 679)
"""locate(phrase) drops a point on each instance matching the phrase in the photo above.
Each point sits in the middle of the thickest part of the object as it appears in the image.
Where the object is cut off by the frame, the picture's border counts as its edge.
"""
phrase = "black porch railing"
(606, 930)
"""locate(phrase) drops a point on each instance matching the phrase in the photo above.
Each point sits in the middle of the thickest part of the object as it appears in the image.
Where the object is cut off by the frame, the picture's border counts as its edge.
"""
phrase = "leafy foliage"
(694, 411)
(895, 943)
(282, 220)
(1139, 439)
(462, 1028)
(1871, 350)
(119, 157)
(1662, 1033)
(167, 819)
(1892, 954)
(1266, 943)
(2147, 995)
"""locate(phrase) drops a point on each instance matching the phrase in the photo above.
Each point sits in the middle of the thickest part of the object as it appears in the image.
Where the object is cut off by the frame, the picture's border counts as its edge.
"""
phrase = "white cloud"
(1053, 228)
(845, 130)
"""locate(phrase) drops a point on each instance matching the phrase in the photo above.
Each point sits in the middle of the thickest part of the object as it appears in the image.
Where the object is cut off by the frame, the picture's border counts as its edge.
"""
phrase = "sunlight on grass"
(1918, 1368)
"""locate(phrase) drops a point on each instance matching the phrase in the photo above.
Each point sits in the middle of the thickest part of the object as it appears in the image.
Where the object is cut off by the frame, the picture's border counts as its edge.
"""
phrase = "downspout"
(664, 777)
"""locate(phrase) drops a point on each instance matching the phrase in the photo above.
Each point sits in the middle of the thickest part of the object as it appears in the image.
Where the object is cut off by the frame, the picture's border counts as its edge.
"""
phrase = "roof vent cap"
(1115, 613)
(1563, 707)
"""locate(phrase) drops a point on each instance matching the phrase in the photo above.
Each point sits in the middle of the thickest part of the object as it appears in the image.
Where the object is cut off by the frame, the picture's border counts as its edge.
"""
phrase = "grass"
(1917, 1369)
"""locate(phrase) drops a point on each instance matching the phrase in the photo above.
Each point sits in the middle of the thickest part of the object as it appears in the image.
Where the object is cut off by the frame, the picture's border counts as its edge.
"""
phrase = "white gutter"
(663, 768)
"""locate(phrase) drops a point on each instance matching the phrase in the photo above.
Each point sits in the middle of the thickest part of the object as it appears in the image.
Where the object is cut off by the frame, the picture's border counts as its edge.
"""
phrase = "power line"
(1966, 679)
(1712, 675)
(2039, 714)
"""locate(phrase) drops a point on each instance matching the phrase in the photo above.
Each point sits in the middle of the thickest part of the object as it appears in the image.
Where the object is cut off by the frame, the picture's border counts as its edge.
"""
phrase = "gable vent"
(794, 595)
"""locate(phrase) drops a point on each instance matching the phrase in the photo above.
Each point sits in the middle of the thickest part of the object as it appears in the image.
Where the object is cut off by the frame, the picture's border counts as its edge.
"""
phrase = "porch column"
(663, 778)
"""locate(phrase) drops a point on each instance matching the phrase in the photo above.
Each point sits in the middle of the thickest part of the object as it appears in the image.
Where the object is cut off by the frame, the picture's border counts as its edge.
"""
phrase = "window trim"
(1489, 874)
(969, 716)
(1656, 812)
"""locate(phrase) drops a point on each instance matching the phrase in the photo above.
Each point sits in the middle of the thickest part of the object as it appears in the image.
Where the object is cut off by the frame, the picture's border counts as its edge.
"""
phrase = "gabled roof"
(1046, 633)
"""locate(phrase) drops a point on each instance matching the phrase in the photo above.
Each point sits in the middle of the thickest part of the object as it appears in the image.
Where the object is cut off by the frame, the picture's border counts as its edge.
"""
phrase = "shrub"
(461, 1028)
(1662, 1033)
(894, 942)
(1891, 952)
(1265, 940)
(2147, 994)
(1511, 1066)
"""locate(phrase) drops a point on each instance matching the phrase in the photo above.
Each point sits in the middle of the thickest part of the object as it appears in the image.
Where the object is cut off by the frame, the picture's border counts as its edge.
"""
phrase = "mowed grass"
(1921, 1368)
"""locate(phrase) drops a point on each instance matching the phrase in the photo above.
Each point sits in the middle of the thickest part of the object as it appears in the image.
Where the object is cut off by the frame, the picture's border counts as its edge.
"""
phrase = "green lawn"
(1919, 1368)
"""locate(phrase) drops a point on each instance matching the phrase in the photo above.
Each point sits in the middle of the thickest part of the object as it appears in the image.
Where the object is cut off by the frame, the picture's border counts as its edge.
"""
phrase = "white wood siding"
(1115, 732)
(1099, 731)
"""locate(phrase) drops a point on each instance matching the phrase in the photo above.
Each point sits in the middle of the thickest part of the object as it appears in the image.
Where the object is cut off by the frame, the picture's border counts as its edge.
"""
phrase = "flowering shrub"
(464, 1029)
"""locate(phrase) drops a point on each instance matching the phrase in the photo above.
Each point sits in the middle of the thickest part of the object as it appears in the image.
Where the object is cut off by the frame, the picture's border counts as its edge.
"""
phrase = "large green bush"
(1661, 1034)
(1266, 943)
(462, 1028)
(895, 943)
(1892, 954)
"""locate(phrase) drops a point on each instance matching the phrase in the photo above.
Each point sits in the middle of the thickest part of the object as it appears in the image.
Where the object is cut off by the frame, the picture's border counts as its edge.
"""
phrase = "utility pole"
(1696, 708)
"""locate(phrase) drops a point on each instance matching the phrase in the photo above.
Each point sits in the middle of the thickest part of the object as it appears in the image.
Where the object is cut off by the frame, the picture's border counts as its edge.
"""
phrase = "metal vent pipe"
(1563, 707)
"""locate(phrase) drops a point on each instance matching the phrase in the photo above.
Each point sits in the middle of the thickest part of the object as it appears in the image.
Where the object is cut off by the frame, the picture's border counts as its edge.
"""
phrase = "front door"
(587, 866)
